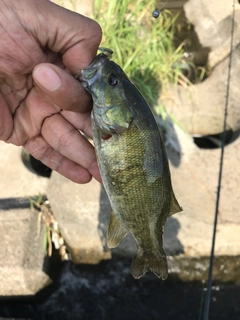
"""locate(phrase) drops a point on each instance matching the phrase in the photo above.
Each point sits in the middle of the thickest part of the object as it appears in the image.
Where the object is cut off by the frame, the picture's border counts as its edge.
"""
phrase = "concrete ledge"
(22, 270)
(78, 210)
(16, 180)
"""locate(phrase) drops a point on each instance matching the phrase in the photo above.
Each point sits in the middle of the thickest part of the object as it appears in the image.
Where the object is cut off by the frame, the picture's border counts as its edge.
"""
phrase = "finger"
(81, 48)
(6, 122)
(29, 117)
(41, 150)
(77, 39)
(79, 121)
(61, 88)
(68, 141)
(31, 113)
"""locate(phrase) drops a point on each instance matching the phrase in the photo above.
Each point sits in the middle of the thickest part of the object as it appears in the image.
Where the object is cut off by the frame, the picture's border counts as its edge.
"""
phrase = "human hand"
(42, 106)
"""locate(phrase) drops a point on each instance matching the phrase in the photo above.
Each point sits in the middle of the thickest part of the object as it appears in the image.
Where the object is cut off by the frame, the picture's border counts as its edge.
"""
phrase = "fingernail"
(47, 78)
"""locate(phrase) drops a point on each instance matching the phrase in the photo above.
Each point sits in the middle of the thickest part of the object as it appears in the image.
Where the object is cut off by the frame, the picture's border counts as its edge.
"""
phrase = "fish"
(132, 162)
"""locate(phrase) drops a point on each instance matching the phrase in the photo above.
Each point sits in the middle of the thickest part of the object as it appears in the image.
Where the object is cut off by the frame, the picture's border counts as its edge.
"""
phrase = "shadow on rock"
(103, 218)
(172, 244)
(171, 140)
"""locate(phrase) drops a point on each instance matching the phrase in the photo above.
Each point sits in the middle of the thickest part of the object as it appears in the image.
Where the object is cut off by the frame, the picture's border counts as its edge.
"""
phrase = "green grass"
(142, 46)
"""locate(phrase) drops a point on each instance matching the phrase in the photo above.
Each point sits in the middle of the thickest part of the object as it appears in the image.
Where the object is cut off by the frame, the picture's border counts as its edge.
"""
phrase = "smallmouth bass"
(133, 164)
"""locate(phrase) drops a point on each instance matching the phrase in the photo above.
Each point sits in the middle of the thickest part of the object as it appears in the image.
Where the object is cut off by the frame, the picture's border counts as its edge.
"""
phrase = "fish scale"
(133, 164)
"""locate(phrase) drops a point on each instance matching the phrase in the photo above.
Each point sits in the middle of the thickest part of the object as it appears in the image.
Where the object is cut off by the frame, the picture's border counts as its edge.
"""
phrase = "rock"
(212, 22)
(23, 266)
(205, 16)
(200, 108)
(222, 51)
(81, 211)
(16, 180)
(195, 182)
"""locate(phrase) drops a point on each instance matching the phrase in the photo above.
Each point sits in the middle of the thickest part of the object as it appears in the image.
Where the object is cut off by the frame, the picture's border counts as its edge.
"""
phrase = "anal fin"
(174, 206)
(116, 231)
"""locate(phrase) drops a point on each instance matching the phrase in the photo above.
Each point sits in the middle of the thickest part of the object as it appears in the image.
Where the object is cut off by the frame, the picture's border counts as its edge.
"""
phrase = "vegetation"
(52, 236)
(142, 46)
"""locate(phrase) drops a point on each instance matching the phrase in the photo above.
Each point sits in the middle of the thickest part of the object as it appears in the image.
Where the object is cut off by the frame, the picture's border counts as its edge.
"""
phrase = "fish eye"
(112, 80)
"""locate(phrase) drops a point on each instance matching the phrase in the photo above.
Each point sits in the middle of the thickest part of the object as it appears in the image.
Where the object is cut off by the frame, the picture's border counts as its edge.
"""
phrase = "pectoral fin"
(174, 207)
(116, 231)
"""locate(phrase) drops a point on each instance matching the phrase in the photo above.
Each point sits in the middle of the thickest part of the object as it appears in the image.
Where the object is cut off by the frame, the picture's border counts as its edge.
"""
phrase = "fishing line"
(209, 286)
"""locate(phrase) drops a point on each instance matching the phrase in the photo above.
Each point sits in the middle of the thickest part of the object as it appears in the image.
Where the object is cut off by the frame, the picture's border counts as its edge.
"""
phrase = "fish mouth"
(100, 59)
(89, 75)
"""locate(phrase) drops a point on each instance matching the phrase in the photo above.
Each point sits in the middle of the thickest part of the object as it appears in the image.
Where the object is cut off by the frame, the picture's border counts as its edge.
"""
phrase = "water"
(108, 291)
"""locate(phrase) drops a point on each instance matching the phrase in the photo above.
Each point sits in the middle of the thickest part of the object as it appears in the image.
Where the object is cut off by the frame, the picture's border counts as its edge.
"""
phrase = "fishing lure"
(156, 13)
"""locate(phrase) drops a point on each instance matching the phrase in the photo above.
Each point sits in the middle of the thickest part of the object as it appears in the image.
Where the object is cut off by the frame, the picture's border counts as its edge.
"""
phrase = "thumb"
(60, 88)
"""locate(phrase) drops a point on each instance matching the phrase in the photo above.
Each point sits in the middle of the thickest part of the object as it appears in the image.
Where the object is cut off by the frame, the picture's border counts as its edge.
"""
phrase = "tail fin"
(156, 264)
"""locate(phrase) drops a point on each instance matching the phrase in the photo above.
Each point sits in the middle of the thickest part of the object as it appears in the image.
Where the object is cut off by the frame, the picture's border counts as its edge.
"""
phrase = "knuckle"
(98, 32)
(95, 32)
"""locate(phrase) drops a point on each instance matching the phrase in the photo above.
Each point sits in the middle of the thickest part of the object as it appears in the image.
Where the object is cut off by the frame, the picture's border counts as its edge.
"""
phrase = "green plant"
(142, 46)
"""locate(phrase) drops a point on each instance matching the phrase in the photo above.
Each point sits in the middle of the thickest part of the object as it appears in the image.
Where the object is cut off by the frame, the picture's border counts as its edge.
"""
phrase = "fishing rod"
(209, 285)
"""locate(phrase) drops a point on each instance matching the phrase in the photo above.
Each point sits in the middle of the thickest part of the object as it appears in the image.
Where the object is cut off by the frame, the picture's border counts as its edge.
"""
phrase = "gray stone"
(195, 181)
(22, 261)
(16, 180)
(212, 22)
(200, 108)
(220, 52)
(76, 208)
(22, 258)
(206, 15)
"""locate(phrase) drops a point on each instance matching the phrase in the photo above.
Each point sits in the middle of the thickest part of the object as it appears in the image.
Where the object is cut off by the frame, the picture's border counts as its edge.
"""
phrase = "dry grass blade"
(52, 234)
